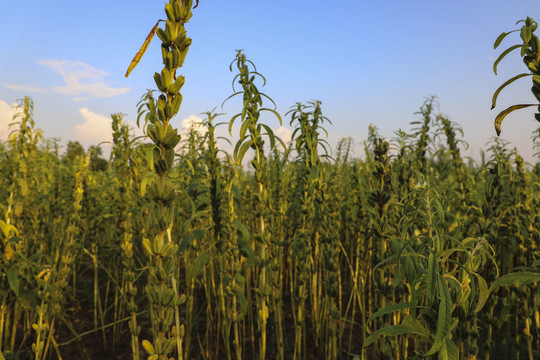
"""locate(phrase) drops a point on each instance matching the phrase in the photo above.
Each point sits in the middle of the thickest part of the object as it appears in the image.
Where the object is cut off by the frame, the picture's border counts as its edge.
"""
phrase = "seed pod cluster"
(161, 289)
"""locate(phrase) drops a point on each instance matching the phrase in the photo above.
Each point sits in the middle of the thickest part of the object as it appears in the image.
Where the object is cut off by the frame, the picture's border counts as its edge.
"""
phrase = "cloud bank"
(193, 122)
(81, 78)
(35, 89)
(95, 129)
(6, 117)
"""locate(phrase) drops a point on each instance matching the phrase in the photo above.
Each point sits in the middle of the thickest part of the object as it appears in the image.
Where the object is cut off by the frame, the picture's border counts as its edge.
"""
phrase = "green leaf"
(273, 111)
(432, 278)
(526, 34)
(13, 280)
(505, 52)
(448, 351)
(444, 318)
(515, 279)
(508, 82)
(484, 293)
(243, 239)
(240, 152)
(197, 266)
(196, 234)
(147, 178)
(23, 186)
(415, 326)
(499, 119)
(393, 330)
(501, 38)
(271, 135)
(389, 309)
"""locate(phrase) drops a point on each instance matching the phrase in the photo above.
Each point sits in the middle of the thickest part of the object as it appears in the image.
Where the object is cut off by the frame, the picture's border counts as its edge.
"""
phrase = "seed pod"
(170, 12)
(178, 83)
(169, 111)
(179, 40)
(177, 101)
(166, 78)
(171, 139)
(177, 7)
(162, 35)
(159, 84)
(169, 60)
(169, 345)
(148, 347)
(147, 247)
(185, 44)
(167, 251)
(170, 31)
(176, 58)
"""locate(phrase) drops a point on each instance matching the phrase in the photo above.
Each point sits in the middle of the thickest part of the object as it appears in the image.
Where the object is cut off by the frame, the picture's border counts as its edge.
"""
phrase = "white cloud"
(95, 129)
(35, 89)
(81, 98)
(81, 78)
(284, 134)
(6, 117)
(193, 122)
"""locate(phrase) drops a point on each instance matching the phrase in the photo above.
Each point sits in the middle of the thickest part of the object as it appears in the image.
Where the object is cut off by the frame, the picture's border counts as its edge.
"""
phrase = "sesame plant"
(175, 248)
(251, 137)
(162, 289)
(530, 52)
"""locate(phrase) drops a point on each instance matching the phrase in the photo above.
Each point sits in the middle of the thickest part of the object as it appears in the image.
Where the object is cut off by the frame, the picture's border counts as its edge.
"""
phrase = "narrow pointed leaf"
(448, 351)
(415, 326)
(388, 310)
(196, 234)
(393, 330)
(505, 52)
(141, 52)
(13, 280)
(432, 278)
(517, 279)
(484, 293)
(199, 263)
(445, 316)
(499, 119)
(508, 82)
(501, 38)
(239, 154)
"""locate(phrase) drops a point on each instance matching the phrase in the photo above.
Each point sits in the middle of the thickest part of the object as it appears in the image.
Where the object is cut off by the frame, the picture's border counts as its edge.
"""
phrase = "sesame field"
(171, 247)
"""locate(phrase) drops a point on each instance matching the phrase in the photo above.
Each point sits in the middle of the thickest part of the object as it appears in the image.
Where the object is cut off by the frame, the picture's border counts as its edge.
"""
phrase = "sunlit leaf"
(505, 52)
(432, 278)
(499, 119)
(138, 56)
(444, 318)
(388, 310)
(394, 330)
(484, 293)
(197, 266)
(13, 280)
(508, 82)
(515, 279)
(501, 37)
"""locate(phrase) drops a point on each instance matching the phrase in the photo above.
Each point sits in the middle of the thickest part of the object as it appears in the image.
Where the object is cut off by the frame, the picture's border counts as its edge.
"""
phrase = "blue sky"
(367, 61)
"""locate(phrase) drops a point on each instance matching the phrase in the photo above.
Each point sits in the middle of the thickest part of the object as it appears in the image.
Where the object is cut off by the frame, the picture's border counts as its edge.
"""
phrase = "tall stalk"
(251, 133)
(162, 290)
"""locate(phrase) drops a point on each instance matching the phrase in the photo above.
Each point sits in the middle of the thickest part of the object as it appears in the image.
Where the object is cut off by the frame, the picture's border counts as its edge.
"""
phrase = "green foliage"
(176, 247)
(530, 52)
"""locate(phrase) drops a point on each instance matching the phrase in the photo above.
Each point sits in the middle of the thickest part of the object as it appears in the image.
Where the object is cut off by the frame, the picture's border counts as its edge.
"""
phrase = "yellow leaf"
(141, 52)
(8, 252)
